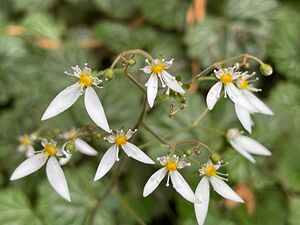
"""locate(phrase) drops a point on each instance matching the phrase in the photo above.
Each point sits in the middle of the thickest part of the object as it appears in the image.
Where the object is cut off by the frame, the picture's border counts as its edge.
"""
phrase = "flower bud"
(188, 152)
(131, 62)
(109, 74)
(70, 147)
(266, 69)
(99, 135)
(215, 158)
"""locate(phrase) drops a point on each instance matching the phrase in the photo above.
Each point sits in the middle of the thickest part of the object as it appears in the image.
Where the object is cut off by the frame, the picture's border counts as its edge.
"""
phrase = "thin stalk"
(154, 134)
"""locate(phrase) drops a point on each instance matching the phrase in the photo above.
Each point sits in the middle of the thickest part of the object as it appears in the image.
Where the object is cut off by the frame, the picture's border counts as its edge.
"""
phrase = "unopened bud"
(99, 135)
(70, 147)
(215, 158)
(188, 152)
(266, 69)
(131, 62)
(109, 74)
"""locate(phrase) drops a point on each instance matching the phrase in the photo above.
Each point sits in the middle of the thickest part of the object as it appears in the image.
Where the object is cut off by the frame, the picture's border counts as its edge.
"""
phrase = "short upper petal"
(154, 181)
(64, 160)
(152, 87)
(29, 166)
(57, 179)
(252, 146)
(84, 147)
(224, 190)
(64, 100)
(242, 151)
(107, 162)
(202, 192)
(94, 109)
(172, 83)
(147, 69)
(132, 151)
(213, 95)
(257, 103)
(238, 98)
(244, 117)
(182, 187)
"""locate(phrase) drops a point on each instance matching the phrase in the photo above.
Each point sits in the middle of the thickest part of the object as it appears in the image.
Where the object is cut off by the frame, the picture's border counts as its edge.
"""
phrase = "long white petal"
(152, 86)
(29, 166)
(84, 147)
(64, 100)
(244, 117)
(154, 181)
(94, 109)
(107, 162)
(252, 146)
(242, 151)
(224, 190)
(172, 83)
(257, 103)
(57, 179)
(65, 160)
(213, 95)
(238, 98)
(182, 187)
(202, 192)
(136, 153)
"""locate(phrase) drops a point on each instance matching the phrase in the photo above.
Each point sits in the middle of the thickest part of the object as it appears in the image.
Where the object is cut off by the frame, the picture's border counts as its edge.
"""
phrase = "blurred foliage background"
(40, 39)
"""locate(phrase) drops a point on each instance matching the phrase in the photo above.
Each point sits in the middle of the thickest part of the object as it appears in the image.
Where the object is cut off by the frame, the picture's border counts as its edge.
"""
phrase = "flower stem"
(154, 134)
(131, 52)
(135, 82)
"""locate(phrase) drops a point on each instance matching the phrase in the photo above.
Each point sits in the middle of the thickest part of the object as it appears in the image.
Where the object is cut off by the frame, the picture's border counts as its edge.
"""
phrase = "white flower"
(211, 175)
(157, 69)
(226, 77)
(244, 115)
(66, 98)
(245, 145)
(80, 145)
(120, 139)
(170, 166)
(26, 144)
(54, 172)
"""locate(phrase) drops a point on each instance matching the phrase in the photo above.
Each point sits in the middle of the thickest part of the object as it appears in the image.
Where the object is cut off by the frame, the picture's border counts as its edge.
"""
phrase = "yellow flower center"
(49, 150)
(211, 171)
(226, 78)
(25, 141)
(172, 166)
(157, 68)
(85, 80)
(120, 140)
(243, 84)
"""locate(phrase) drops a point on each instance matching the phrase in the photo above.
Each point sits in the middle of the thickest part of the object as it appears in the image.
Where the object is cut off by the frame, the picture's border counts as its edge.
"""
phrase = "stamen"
(168, 180)
(162, 82)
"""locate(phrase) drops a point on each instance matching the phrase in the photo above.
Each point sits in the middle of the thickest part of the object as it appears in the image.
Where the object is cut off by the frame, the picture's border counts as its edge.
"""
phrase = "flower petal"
(64, 160)
(172, 83)
(242, 151)
(168, 64)
(244, 117)
(257, 103)
(95, 110)
(252, 146)
(202, 192)
(147, 69)
(56, 178)
(154, 181)
(107, 162)
(64, 100)
(84, 147)
(152, 86)
(136, 153)
(238, 98)
(224, 190)
(182, 187)
(213, 95)
(29, 166)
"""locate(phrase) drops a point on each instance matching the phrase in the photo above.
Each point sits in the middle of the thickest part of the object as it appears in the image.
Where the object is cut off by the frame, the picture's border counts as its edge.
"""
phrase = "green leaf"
(294, 215)
(113, 9)
(166, 14)
(15, 209)
(33, 5)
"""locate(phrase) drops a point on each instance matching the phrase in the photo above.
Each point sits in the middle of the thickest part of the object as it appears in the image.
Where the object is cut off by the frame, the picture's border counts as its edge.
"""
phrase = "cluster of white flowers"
(236, 85)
